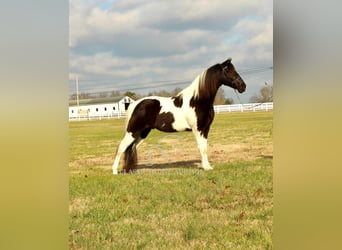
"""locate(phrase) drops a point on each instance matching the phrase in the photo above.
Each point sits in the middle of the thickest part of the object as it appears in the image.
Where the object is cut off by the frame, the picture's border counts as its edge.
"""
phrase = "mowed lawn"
(170, 203)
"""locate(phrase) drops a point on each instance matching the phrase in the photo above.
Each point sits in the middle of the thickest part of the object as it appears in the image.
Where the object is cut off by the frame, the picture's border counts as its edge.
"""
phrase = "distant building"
(99, 107)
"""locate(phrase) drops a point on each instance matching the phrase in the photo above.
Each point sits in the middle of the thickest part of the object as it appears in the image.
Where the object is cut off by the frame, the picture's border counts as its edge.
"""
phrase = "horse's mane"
(205, 85)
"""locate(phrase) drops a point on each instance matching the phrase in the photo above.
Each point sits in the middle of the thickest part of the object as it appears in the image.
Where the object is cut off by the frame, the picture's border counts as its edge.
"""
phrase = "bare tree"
(115, 93)
(103, 94)
(176, 91)
(132, 95)
(73, 97)
(265, 94)
(229, 101)
(219, 98)
(85, 95)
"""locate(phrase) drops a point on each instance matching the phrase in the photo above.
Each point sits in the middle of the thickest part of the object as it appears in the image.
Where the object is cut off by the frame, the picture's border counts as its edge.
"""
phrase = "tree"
(85, 95)
(103, 94)
(176, 91)
(229, 101)
(265, 94)
(131, 94)
(73, 97)
(219, 98)
(163, 93)
(115, 93)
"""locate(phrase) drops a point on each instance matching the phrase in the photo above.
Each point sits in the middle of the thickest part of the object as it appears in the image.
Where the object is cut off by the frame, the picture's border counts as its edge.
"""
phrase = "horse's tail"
(131, 158)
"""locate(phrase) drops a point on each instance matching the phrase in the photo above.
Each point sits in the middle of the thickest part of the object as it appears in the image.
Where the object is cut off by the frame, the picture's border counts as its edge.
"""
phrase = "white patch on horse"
(202, 147)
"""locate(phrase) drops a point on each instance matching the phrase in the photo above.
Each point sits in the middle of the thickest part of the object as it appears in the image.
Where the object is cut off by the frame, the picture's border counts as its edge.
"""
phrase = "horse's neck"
(198, 89)
(206, 88)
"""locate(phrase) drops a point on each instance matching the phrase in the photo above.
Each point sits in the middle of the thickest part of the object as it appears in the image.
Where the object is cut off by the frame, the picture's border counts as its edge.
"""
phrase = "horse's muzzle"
(240, 86)
(242, 89)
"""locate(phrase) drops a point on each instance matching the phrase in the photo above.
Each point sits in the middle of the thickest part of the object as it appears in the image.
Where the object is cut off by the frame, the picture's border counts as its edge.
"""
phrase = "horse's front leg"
(202, 146)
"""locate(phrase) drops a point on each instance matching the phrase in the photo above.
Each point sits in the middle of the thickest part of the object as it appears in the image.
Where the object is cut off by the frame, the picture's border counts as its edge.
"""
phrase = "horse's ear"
(229, 60)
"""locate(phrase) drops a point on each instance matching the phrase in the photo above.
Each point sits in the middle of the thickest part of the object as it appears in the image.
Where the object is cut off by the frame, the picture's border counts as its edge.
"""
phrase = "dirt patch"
(236, 152)
(91, 161)
(217, 153)
(164, 155)
(79, 204)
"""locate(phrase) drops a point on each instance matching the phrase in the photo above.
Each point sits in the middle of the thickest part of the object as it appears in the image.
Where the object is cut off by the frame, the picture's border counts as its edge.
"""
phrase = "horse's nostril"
(242, 89)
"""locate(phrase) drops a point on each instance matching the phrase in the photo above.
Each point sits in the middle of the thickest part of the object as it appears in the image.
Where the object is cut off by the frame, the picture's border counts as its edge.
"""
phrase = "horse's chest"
(190, 116)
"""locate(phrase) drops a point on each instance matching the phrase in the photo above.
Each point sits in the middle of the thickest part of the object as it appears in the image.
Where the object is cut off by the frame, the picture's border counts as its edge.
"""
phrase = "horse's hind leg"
(142, 136)
(124, 144)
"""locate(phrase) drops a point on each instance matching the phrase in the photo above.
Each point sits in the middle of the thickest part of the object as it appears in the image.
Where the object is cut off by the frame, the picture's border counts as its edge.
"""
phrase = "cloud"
(149, 41)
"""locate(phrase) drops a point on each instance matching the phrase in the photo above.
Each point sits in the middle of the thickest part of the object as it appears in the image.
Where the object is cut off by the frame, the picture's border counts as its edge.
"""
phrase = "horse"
(192, 109)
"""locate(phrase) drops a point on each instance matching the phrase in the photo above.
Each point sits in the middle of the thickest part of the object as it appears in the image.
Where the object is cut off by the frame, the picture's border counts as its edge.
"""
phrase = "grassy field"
(169, 203)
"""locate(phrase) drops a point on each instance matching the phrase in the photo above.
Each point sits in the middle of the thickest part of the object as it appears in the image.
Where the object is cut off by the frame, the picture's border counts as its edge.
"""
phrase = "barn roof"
(102, 100)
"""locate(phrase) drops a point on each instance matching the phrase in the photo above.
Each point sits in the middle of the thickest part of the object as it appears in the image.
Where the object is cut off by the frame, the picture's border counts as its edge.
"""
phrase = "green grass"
(174, 204)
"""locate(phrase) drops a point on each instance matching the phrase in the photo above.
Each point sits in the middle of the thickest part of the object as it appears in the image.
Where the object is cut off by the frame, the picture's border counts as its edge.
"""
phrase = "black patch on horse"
(178, 101)
(205, 115)
(143, 118)
(145, 133)
(164, 122)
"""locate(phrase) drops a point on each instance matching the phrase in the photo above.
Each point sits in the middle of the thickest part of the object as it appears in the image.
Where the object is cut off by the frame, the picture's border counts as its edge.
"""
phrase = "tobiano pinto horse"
(192, 109)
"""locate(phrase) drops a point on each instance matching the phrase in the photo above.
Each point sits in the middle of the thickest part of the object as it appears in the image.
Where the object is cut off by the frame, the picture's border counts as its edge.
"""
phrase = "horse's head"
(231, 77)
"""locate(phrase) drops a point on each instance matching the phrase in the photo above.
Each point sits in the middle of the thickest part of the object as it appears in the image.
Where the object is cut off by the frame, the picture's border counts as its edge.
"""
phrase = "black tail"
(131, 158)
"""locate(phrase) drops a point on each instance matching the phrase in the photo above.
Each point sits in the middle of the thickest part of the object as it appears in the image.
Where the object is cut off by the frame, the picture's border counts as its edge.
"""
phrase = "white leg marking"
(126, 141)
(202, 146)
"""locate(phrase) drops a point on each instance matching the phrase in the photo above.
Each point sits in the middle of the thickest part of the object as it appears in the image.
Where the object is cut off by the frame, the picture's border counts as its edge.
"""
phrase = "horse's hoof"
(115, 171)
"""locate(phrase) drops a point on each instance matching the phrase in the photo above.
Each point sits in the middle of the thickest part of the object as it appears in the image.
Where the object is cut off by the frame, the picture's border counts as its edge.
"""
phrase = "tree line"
(265, 95)
(219, 99)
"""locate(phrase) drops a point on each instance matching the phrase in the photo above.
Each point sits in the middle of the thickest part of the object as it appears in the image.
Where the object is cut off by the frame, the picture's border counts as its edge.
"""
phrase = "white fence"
(88, 116)
(247, 107)
(266, 106)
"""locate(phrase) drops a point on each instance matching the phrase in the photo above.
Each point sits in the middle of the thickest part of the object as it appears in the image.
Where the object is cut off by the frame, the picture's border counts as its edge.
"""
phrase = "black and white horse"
(190, 110)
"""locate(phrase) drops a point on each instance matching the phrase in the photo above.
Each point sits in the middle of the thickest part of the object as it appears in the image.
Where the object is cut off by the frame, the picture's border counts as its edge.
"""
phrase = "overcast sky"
(143, 45)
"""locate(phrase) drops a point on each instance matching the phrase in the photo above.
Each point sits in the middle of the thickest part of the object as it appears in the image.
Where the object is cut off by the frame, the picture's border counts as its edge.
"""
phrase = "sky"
(144, 45)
